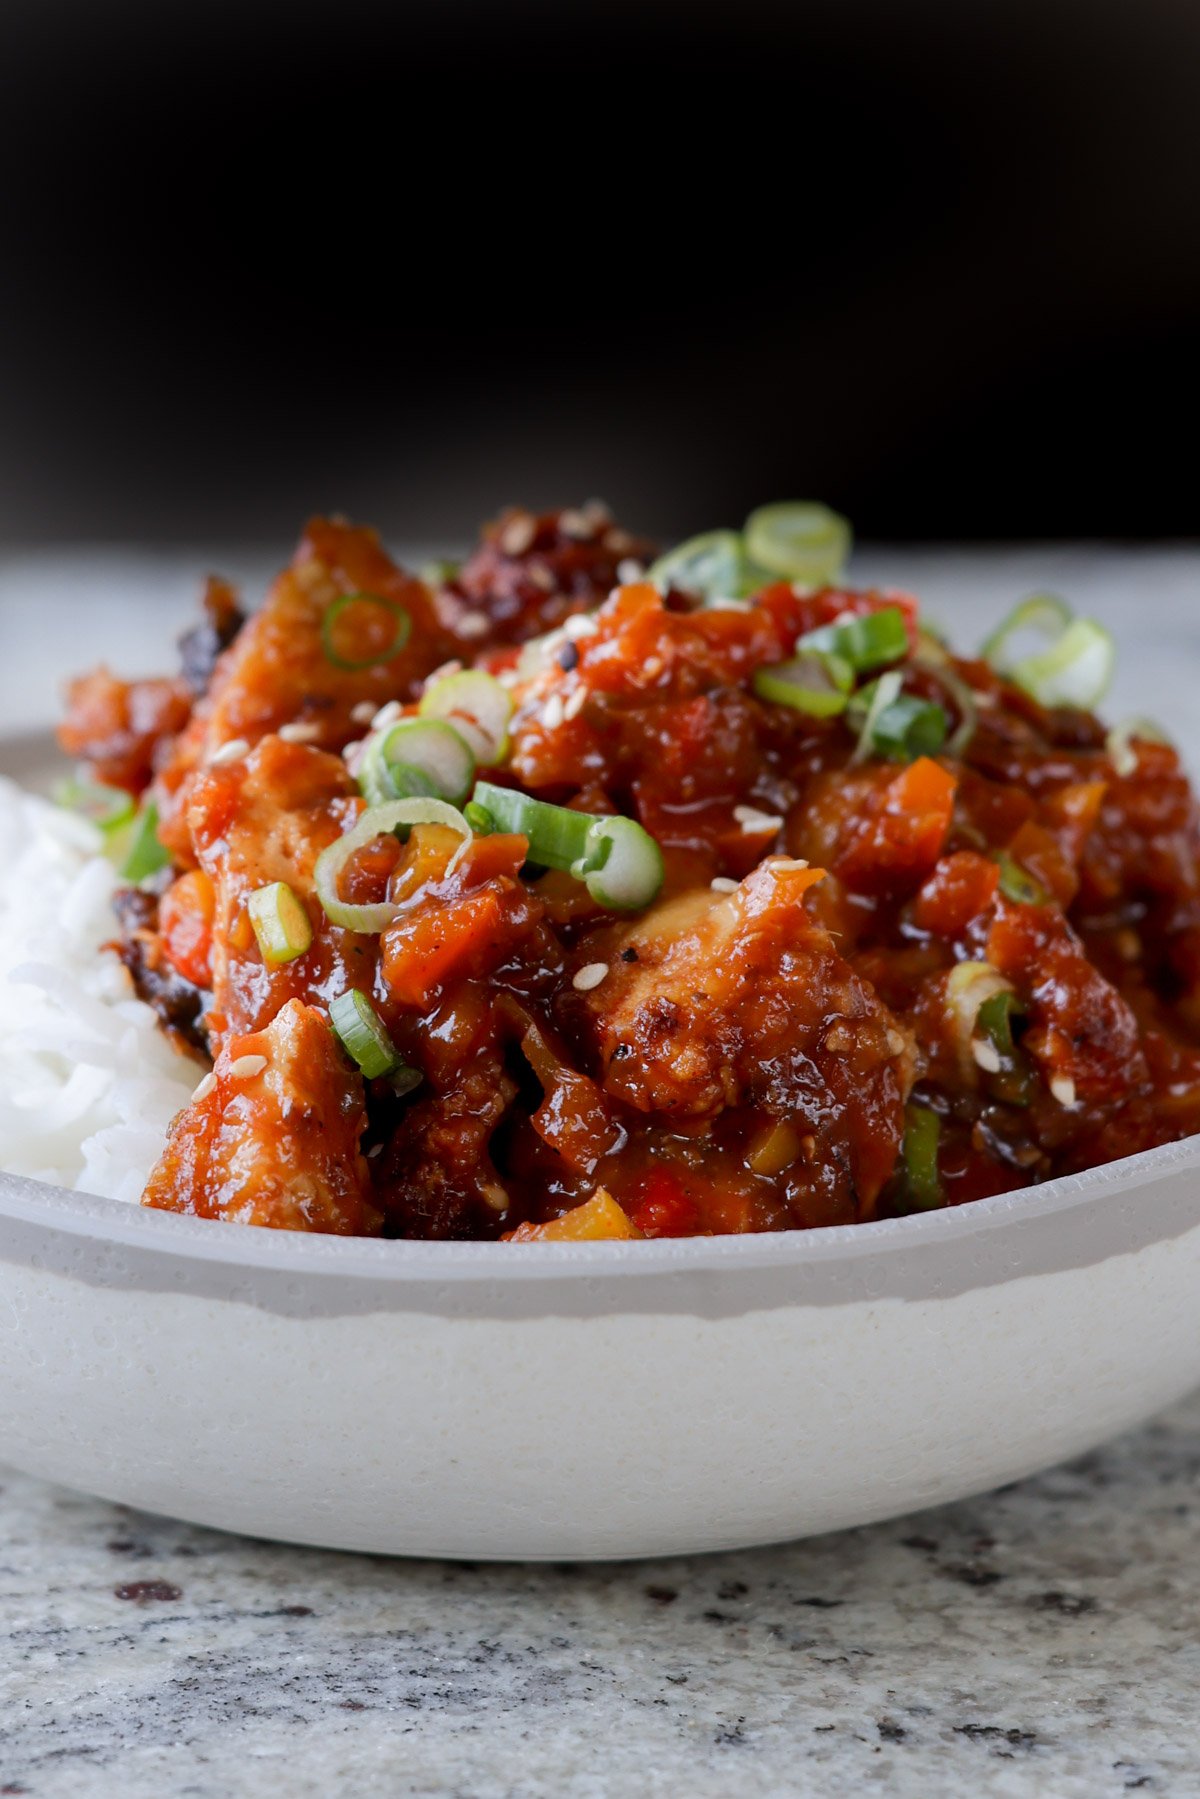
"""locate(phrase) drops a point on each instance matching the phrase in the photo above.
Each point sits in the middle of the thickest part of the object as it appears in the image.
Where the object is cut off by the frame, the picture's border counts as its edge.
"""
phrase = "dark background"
(935, 263)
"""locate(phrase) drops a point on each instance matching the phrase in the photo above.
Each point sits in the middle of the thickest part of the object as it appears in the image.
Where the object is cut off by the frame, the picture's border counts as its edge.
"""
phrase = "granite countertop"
(1042, 1640)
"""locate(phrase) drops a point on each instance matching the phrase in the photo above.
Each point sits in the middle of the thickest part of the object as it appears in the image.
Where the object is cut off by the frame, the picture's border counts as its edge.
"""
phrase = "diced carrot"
(427, 947)
(600, 1218)
(185, 921)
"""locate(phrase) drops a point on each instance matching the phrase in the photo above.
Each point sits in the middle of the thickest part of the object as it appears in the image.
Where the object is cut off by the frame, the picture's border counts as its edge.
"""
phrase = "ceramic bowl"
(590, 1400)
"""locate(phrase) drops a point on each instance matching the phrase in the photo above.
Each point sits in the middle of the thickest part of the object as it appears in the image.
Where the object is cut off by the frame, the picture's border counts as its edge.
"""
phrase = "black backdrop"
(937, 263)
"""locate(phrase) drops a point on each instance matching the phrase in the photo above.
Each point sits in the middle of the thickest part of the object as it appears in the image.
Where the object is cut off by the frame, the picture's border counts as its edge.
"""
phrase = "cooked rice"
(88, 1083)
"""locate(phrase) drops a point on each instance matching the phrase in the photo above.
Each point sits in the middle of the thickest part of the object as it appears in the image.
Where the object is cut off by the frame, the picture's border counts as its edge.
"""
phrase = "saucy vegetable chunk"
(568, 895)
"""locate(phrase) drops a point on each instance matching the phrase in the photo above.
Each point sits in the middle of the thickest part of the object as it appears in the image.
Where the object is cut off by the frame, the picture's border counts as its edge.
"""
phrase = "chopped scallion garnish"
(379, 821)
(280, 922)
(364, 1034)
(1017, 884)
(618, 861)
(1075, 668)
(417, 756)
(145, 855)
(1014, 1080)
(798, 540)
(714, 565)
(868, 641)
(108, 808)
(355, 620)
(812, 683)
(896, 725)
(478, 706)
(922, 1137)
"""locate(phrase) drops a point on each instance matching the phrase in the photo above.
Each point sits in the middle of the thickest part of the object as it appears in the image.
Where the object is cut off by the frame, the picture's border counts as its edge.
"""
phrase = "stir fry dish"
(569, 893)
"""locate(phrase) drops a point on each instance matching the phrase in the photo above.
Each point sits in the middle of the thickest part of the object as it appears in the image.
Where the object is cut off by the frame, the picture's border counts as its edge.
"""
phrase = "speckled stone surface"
(1044, 1640)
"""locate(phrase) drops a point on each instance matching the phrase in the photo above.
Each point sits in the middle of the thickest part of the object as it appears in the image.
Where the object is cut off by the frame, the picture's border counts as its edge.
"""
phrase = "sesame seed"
(244, 1068)
(597, 513)
(723, 884)
(207, 1086)
(540, 577)
(589, 976)
(508, 677)
(724, 605)
(299, 731)
(364, 713)
(652, 667)
(580, 624)
(1063, 1089)
(376, 1149)
(986, 1054)
(386, 715)
(575, 702)
(474, 624)
(567, 656)
(618, 542)
(233, 751)
(552, 712)
(575, 524)
(895, 1042)
(751, 819)
(518, 534)
(630, 570)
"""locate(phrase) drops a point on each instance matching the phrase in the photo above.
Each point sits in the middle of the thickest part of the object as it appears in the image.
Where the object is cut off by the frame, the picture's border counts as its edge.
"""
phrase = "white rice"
(88, 1082)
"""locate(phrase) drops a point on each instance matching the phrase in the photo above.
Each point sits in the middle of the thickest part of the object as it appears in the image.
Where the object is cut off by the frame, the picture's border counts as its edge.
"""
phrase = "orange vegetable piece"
(598, 1220)
(185, 922)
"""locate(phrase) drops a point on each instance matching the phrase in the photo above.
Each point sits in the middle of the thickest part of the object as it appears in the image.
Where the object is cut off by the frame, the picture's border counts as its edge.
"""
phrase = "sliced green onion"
(108, 808)
(922, 1136)
(714, 565)
(1119, 743)
(379, 821)
(1075, 668)
(1014, 1081)
(870, 704)
(798, 539)
(895, 725)
(145, 855)
(417, 756)
(1075, 671)
(1017, 884)
(364, 1034)
(478, 706)
(866, 642)
(946, 675)
(622, 865)
(815, 684)
(399, 622)
(968, 986)
(280, 922)
(618, 861)
(479, 818)
(1043, 613)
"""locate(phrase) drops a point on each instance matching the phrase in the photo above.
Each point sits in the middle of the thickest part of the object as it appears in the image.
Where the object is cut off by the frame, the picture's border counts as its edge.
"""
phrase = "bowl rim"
(1098, 1197)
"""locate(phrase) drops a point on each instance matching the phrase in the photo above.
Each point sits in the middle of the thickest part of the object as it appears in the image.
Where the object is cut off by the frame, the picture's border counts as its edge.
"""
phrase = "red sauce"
(750, 1056)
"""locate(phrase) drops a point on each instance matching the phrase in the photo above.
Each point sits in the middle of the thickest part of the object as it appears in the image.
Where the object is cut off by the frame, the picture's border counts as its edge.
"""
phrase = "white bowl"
(587, 1400)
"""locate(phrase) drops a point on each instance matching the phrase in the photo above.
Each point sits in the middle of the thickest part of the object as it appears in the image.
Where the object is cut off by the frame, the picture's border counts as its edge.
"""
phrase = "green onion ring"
(363, 1034)
(402, 627)
(380, 821)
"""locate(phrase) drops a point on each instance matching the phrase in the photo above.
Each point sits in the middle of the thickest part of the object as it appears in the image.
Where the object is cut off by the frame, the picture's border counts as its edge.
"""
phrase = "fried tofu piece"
(274, 1137)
